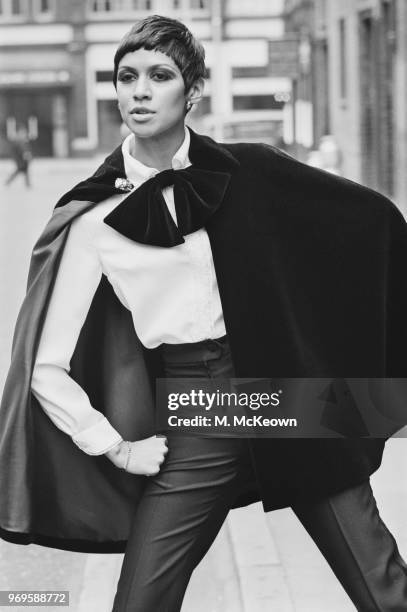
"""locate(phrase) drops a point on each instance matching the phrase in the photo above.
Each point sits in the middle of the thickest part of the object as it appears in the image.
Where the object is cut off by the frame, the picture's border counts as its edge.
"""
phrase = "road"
(259, 562)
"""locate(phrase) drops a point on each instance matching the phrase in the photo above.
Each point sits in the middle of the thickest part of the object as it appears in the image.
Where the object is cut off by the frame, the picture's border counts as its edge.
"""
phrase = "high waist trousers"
(185, 504)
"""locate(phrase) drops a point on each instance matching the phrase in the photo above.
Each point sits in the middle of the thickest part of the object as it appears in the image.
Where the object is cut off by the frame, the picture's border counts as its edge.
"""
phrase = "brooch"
(123, 184)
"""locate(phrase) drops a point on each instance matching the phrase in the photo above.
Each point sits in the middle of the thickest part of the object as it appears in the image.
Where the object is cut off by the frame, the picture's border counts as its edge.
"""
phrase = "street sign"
(23, 78)
(283, 56)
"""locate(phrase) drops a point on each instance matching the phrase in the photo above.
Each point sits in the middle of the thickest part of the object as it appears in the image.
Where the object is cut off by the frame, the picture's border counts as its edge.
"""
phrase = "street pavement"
(258, 562)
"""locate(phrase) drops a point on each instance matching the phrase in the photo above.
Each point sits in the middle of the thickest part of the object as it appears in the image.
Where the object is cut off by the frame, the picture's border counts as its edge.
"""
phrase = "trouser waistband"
(203, 350)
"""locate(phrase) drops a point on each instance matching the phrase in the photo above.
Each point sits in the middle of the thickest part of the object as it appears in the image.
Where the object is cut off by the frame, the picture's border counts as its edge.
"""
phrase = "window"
(16, 8)
(13, 10)
(101, 5)
(247, 72)
(256, 102)
(260, 8)
(44, 9)
(119, 6)
(104, 76)
(199, 4)
(321, 10)
(203, 108)
(343, 85)
(187, 4)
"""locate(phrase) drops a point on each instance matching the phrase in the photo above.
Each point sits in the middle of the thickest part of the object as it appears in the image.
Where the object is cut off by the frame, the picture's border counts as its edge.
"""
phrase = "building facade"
(56, 64)
(357, 85)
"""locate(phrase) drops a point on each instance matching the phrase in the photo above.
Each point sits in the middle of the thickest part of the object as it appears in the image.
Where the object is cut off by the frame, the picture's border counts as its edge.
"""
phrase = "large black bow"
(144, 216)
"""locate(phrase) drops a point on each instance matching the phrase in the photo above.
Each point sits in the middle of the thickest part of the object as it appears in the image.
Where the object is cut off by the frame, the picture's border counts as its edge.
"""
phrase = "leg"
(361, 551)
(177, 520)
(12, 176)
(27, 177)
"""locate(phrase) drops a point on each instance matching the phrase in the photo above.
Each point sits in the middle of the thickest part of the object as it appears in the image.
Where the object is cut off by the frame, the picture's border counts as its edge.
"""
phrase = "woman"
(21, 154)
(141, 271)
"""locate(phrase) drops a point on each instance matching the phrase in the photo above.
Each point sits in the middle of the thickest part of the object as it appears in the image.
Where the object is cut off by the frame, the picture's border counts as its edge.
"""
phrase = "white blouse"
(172, 294)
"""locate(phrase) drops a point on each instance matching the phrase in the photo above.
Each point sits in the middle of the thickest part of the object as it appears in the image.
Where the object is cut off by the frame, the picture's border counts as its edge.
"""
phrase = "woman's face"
(151, 93)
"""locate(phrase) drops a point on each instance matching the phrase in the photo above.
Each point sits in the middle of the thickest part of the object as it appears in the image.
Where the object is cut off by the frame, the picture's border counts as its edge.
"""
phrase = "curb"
(99, 583)
(262, 579)
(242, 572)
(213, 587)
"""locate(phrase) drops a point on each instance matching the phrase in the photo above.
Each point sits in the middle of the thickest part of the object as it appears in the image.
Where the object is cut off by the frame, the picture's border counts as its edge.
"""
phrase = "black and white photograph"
(203, 330)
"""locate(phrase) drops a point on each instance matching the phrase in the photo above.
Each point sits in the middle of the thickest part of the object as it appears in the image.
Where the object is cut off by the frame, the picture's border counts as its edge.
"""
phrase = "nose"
(141, 88)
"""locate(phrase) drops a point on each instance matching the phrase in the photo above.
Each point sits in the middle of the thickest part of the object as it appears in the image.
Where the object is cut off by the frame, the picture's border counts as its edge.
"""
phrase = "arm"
(63, 400)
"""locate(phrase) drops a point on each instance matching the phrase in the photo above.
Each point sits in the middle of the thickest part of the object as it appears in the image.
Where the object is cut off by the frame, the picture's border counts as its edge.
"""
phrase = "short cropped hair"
(171, 37)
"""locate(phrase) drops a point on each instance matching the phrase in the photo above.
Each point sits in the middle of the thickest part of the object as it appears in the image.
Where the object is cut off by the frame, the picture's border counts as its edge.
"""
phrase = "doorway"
(44, 114)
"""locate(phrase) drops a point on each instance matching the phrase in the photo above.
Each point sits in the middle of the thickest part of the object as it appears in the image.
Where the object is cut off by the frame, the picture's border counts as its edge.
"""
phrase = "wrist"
(118, 452)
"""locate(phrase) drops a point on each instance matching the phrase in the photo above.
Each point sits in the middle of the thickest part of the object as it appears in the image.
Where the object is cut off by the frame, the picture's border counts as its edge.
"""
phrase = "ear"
(195, 93)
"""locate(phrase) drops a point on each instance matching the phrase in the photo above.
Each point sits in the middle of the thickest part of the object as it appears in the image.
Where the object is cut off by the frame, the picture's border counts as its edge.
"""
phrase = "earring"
(189, 105)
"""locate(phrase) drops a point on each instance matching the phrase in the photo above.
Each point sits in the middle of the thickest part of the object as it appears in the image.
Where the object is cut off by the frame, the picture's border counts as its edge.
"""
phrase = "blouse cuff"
(97, 439)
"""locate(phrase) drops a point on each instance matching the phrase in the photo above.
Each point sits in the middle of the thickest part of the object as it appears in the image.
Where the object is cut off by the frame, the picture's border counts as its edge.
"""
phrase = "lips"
(141, 111)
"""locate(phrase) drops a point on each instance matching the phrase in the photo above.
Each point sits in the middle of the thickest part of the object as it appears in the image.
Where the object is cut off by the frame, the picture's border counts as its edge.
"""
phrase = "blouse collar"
(137, 172)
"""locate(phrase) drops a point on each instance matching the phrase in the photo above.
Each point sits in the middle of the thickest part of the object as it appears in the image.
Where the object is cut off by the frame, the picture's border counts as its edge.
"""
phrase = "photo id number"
(34, 598)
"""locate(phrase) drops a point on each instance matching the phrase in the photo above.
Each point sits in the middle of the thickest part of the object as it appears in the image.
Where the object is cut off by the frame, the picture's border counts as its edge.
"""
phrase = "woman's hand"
(146, 455)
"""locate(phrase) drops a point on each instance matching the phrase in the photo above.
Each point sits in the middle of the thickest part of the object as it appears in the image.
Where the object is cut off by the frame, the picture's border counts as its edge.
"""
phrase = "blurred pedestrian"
(183, 257)
(22, 156)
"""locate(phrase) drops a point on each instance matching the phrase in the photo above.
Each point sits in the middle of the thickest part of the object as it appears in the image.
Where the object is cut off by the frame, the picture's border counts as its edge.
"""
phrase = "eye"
(161, 76)
(125, 77)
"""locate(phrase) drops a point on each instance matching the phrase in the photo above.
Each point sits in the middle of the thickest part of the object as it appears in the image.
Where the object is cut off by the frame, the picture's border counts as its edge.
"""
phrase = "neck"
(158, 151)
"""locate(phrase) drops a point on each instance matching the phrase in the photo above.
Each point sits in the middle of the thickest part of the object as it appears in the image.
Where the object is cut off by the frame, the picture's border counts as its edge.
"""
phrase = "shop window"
(13, 10)
(255, 102)
(109, 125)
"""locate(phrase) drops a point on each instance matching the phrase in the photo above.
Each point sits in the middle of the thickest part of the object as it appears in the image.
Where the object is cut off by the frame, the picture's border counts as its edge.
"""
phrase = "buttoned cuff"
(97, 439)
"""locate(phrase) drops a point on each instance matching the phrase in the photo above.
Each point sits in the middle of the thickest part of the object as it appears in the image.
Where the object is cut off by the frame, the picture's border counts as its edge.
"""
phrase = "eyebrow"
(150, 67)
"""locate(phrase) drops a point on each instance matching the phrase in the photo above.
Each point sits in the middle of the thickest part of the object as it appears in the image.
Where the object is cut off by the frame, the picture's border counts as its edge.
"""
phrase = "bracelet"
(126, 465)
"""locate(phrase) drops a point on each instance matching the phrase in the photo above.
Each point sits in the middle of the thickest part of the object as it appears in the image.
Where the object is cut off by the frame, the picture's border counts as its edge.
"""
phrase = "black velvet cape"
(311, 271)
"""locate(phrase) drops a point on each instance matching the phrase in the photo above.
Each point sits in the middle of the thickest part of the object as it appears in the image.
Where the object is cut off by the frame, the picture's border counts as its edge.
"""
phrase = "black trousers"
(185, 505)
